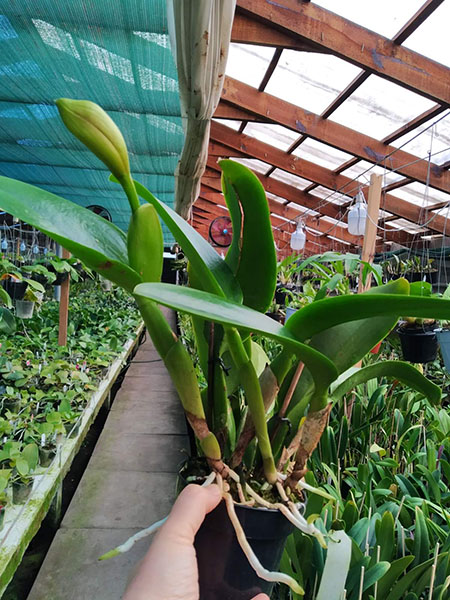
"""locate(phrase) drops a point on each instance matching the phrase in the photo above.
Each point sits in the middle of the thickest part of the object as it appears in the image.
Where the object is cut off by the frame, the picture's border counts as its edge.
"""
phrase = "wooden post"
(373, 210)
(64, 306)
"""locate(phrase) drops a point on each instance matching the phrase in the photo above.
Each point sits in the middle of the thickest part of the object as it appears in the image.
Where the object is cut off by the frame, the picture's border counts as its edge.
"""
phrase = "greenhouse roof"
(313, 101)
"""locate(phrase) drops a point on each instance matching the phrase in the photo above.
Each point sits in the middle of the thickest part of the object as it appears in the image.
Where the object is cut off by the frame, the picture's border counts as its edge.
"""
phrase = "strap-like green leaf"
(257, 266)
(397, 369)
(99, 244)
(209, 267)
(323, 314)
(217, 309)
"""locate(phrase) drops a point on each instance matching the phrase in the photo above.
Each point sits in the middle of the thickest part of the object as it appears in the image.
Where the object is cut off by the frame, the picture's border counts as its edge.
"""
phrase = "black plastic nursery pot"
(16, 289)
(418, 345)
(224, 571)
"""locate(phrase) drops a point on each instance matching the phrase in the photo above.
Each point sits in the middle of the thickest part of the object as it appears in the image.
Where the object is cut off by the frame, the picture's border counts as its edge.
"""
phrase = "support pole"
(64, 306)
(370, 235)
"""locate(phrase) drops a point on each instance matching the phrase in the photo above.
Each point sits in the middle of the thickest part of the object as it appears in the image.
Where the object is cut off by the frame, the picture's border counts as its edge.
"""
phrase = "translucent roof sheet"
(310, 80)
(431, 38)
(363, 170)
(429, 138)
(379, 107)
(254, 59)
(384, 16)
(291, 179)
(321, 154)
(276, 135)
(418, 193)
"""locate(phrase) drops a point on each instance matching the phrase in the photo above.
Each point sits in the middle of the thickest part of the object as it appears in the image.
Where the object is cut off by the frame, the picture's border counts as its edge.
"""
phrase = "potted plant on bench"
(322, 340)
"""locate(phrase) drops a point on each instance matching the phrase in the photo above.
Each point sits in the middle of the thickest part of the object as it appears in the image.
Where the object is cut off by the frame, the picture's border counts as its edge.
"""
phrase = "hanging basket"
(443, 337)
(418, 344)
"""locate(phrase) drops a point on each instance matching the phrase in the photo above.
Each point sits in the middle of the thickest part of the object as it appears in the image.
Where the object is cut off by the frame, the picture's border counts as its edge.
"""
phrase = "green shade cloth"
(114, 53)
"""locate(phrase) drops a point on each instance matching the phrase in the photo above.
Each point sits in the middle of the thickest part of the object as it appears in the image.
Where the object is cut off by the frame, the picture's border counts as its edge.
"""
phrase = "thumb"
(261, 597)
(189, 511)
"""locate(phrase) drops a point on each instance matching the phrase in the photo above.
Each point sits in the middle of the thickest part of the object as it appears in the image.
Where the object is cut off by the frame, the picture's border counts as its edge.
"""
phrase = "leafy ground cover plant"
(326, 337)
(44, 387)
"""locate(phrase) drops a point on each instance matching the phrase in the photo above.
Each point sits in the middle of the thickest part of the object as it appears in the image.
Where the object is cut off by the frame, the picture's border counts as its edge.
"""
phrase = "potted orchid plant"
(257, 450)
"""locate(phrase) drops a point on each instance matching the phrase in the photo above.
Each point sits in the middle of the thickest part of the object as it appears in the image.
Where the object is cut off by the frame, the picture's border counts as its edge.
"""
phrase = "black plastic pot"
(280, 296)
(224, 571)
(46, 456)
(418, 345)
(16, 289)
(21, 491)
(275, 316)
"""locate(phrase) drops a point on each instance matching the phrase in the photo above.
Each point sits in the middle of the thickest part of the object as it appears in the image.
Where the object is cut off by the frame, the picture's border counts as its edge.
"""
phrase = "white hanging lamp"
(357, 215)
(298, 238)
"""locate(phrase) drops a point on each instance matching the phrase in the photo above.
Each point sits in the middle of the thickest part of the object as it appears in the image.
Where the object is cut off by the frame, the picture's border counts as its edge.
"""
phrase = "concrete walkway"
(129, 484)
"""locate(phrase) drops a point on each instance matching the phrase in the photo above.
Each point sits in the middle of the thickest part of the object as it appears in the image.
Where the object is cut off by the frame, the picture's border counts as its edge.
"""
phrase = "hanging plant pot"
(24, 309)
(419, 345)
(15, 288)
(443, 337)
(224, 571)
(21, 491)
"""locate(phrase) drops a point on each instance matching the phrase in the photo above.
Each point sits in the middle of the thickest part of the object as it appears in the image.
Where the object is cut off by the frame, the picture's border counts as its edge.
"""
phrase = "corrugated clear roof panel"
(406, 225)
(429, 138)
(420, 195)
(248, 63)
(311, 81)
(321, 154)
(431, 38)
(276, 135)
(254, 164)
(384, 16)
(229, 123)
(291, 179)
(363, 169)
(328, 196)
(379, 107)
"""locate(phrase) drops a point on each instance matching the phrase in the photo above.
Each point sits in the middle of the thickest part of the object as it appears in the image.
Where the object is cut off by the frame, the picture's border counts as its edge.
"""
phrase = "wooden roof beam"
(293, 164)
(292, 214)
(332, 133)
(358, 45)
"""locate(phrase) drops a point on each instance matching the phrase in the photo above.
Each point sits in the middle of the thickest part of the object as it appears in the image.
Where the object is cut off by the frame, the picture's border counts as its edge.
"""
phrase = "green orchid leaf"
(210, 268)
(7, 321)
(256, 269)
(396, 369)
(324, 314)
(99, 244)
(346, 344)
(234, 208)
(5, 297)
(220, 310)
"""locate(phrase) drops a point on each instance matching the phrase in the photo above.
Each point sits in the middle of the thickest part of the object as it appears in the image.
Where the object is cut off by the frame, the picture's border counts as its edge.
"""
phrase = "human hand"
(169, 569)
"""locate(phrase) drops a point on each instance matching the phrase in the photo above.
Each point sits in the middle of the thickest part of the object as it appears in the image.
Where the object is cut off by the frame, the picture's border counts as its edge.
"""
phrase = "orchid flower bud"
(94, 127)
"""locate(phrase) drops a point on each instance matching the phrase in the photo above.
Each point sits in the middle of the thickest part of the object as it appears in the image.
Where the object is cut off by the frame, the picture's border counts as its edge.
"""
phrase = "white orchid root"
(132, 540)
(262, 572)
(287, 508)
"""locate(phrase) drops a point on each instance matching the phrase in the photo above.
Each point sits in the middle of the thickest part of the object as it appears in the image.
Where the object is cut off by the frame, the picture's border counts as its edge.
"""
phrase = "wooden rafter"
(332, 133)
(320, 175)
(358, 45)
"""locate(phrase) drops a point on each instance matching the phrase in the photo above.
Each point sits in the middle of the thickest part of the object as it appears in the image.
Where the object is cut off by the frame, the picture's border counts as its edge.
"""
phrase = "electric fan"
(221, 231)
(100, 211)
